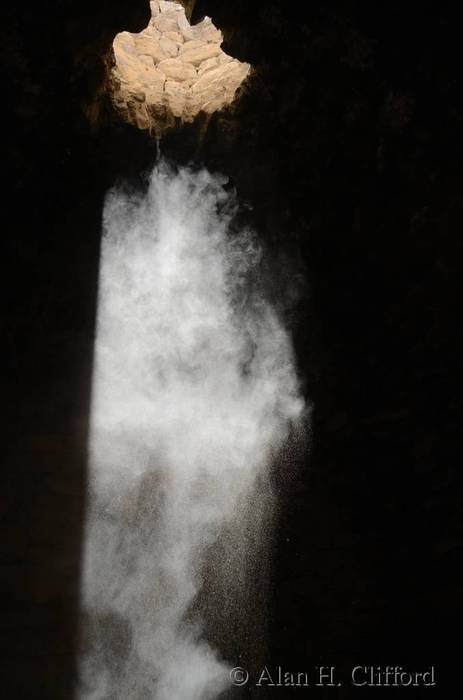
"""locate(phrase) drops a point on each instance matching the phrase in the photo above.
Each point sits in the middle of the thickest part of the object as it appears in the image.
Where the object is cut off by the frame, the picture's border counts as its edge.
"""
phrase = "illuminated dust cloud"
(194, 394)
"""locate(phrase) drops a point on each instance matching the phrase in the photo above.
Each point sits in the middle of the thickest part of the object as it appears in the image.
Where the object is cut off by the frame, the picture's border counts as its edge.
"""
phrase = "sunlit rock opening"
(173, 69)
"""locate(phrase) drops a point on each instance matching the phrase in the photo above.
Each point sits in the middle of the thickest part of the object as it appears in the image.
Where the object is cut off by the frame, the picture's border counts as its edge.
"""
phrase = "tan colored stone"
(125, 41)
(225, 58)
(149, 46)
(216, 91)
(200, 54)
(168, 47)
(170, 7)
(171, 68)
(174, 36)
(147, 60)
(150, 31)
(208, 64)
(138, 73)
(212, 106)
(152, 78)
(185, 28)
(127, 72)
(176, 95)
(191, 44)
(166, 23)
(205, 31)
(222, 75)
(154, 94)
(172, 87)
(176, 69)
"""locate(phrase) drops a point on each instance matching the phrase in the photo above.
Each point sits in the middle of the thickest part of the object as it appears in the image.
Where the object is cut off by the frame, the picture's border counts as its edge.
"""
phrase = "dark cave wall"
(346, 143)
(56, 169)
(355, 131)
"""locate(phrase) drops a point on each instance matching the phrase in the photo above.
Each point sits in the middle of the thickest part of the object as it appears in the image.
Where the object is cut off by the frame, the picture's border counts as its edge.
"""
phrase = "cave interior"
(344, 143)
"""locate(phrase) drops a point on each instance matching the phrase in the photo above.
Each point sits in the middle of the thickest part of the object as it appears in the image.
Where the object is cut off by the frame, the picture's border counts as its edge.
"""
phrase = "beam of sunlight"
(194, 393)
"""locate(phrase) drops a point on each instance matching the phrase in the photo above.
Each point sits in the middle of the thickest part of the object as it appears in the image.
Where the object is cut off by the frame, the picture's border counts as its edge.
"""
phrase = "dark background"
(347, 144)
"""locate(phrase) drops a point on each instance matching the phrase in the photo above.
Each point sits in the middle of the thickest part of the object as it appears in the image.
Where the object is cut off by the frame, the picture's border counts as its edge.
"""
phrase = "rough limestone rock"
(177, 70)
(165, 23)
(185, 27)
(208, 64)
(173, 68)
(175, 36)
(168, 46)
(197, 55)
(146, 45)
(155, 9)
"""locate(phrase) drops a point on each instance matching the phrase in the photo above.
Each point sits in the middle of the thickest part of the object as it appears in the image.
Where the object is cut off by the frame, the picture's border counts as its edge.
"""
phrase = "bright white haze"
(194, 393)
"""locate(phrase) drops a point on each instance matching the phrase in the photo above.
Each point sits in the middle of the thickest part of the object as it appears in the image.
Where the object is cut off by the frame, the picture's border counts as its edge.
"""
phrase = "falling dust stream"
(194, 395)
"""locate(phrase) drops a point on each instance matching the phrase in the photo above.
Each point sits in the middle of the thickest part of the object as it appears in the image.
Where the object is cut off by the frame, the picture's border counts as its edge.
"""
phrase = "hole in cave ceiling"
(173, 69)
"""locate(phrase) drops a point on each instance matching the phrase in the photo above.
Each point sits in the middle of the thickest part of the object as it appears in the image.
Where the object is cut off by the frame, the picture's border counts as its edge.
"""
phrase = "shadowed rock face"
(172, 69)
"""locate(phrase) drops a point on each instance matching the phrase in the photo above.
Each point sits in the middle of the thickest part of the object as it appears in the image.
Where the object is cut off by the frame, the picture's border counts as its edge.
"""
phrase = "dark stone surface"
(347, 145)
